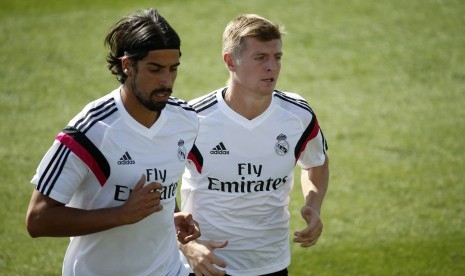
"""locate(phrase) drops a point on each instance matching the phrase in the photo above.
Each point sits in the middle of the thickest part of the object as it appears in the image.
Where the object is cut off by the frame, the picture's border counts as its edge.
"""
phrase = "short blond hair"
(248, 25)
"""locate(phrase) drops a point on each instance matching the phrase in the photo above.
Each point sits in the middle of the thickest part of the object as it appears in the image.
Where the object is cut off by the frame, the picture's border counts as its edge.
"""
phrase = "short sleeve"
(59, 174)
(314, 152)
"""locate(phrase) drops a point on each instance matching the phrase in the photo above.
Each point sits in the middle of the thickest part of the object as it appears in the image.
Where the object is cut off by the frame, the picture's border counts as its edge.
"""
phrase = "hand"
(309, 236)
(142, 202)
(187, 229)
(201, 258)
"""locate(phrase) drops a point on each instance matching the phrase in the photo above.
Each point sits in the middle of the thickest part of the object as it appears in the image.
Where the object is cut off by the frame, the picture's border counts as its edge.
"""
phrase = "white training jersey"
(240, 173)
(97, 160)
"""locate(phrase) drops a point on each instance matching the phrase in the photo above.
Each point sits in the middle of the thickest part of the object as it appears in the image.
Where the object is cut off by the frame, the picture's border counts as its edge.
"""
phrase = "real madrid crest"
(181, 150)
(282, 146)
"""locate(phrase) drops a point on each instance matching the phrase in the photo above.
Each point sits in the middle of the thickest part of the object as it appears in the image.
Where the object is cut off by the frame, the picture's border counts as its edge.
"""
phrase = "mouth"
(162, 93)
(269, 80)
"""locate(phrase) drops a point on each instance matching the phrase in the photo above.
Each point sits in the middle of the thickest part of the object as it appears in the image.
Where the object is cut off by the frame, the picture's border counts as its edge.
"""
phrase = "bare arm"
(314, 183)
(48, 217)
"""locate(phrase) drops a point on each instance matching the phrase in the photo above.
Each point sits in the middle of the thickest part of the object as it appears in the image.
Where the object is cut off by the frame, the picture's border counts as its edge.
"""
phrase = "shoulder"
(182, 109)
(292, 102)
(102, 109)
(95, 118)
(180, 104)
(205, 103)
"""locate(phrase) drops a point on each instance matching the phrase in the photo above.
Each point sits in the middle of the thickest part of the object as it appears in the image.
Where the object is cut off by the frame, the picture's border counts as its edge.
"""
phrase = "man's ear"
(126, 65)
(229, 61)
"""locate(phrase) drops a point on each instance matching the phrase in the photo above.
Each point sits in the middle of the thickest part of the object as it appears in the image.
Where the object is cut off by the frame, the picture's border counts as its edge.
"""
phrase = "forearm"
(314, 184)
(46, 218)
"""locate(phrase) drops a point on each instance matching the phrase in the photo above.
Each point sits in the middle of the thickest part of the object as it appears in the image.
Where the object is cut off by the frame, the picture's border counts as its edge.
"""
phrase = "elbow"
(33, 235)
(31, 229)
(32, 226)
(38, 216)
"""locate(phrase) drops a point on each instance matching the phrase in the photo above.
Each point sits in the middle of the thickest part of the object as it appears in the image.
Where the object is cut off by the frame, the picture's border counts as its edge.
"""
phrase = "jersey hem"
(259, 271)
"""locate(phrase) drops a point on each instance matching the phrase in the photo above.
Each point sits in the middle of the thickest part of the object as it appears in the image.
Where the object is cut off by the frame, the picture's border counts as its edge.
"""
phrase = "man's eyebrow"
(160, 65)
(266, 54)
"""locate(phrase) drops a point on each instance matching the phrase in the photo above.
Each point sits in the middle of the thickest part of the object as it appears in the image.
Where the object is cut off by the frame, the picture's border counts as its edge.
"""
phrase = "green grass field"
(386, 78)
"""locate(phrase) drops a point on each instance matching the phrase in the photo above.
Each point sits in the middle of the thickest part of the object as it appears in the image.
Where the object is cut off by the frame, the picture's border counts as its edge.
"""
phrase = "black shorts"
(278, 273)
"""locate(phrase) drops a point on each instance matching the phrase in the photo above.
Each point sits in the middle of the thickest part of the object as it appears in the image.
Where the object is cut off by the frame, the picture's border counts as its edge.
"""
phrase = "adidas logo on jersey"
(219, 149)
(126, 159)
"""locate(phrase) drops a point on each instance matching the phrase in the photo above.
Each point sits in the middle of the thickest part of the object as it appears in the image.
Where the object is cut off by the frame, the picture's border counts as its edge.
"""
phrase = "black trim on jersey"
(286, 95)
(53, 170)
(101, 118)
(298, 102)
(177, 102)
(196, 157)
(58, 172)
(108, 107)
(205, 102)
(55, 167)
(306, 136)
(97, 156)
(325, 143)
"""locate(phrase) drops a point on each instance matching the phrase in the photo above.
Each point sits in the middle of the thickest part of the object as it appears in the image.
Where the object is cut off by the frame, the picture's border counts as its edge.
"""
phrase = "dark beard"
(155, 106)
(152, 106)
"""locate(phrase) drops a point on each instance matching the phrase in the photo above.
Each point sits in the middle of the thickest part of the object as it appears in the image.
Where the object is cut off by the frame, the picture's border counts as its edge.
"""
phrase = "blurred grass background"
(386, 79)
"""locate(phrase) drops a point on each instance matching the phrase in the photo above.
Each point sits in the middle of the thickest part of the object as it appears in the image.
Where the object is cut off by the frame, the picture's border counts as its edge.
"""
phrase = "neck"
(246, 103)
